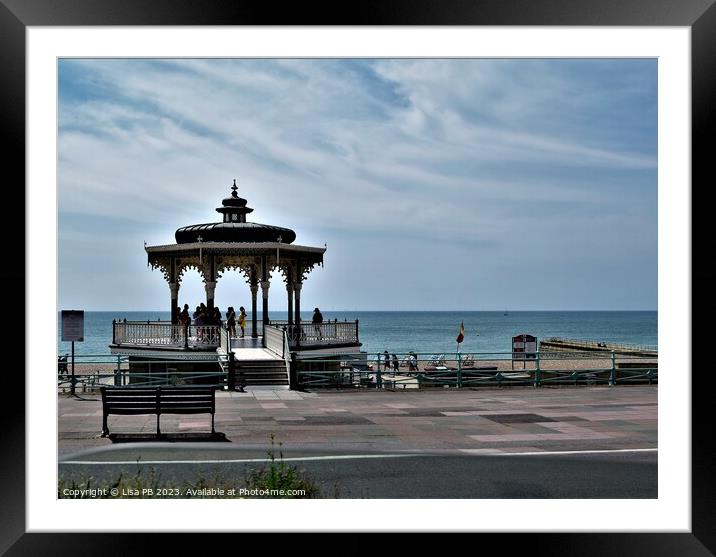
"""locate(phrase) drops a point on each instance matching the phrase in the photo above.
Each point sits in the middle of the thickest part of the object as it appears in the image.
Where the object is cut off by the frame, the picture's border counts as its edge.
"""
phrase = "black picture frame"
(700, 15)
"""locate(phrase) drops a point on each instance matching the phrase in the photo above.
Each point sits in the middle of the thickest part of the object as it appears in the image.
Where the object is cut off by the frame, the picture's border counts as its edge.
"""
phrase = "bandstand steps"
(262, 372)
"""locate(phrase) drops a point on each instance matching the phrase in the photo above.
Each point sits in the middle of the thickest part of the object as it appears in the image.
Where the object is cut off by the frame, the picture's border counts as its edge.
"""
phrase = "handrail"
(286, 354)
(274, 340)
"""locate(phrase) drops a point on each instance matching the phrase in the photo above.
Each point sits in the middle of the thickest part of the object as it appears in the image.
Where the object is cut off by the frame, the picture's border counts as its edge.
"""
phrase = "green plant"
(278, 476)
(276, 480)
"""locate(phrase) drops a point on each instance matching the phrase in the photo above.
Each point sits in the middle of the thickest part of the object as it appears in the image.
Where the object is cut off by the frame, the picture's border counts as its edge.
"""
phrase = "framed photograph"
(654, 55)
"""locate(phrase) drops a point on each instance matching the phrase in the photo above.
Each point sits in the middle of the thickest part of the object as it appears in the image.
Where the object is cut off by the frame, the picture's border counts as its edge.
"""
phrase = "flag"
(461, 334)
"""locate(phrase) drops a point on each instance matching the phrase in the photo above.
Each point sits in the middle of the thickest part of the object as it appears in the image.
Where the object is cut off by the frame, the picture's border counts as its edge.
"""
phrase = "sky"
(436, 184)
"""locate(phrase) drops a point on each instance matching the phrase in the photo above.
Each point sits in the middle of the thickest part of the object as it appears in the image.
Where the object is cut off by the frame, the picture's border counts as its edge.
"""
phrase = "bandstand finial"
(234, 188)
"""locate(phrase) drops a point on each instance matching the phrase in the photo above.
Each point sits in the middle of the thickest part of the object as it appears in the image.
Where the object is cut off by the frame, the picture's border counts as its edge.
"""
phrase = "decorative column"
(297, 293)
(264, 288)
(210, 285)
(265, 284)
(254, 292)
(297, 285)
(289, 291)
(174, 289)
(210, 288)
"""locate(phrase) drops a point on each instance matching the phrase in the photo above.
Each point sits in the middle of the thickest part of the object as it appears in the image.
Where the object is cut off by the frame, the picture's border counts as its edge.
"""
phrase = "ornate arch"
(183, 264)
(164, 265)
(306, 268)
(287, 268)
(244, 264)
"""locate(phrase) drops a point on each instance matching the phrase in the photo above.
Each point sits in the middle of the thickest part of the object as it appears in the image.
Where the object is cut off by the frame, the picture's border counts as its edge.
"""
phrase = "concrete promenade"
(435, 421)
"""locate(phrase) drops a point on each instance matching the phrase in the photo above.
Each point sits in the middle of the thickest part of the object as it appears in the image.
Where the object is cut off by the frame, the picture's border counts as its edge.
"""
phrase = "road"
(609, 474)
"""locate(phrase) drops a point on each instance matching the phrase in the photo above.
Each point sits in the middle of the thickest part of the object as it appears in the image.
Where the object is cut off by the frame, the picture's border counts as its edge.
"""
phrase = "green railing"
(361, 370)
(419, 371)
(91, 371)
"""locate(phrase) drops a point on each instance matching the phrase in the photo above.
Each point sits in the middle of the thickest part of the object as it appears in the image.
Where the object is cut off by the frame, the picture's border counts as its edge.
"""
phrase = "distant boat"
(505, 313)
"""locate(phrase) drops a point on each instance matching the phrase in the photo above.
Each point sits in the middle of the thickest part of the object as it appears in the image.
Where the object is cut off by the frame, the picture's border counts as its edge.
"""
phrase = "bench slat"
(130, 393)
(153, 390)
(179, 409)
(180, 405)
(110, 398)
(208, 405)
(131, 411)
(187, 398)
(187, 389)
(184, 410)
(148, 406)
(162, 403)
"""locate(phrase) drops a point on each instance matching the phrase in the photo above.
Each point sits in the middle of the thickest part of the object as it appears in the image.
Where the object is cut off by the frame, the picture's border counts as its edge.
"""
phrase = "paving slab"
(443, 421)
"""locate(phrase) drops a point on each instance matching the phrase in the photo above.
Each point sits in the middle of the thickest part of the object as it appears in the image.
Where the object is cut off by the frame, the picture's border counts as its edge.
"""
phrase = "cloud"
(467, 153)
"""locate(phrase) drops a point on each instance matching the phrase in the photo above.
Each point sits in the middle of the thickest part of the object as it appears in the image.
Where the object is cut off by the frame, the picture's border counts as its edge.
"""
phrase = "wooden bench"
(157, 400)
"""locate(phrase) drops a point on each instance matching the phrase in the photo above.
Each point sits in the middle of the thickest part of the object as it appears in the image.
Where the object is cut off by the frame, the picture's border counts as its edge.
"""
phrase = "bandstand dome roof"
(242, 232)
(234, 228)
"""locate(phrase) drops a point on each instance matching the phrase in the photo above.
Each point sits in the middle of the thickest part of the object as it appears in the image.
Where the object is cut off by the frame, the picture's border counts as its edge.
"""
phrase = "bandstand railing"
(274, 340)
(326, 333)
(225, 340)
(164, 334)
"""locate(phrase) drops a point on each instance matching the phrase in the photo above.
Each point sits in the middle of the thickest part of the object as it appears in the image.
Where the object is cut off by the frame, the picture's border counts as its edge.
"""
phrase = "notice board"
(524, 347)
(73, 325)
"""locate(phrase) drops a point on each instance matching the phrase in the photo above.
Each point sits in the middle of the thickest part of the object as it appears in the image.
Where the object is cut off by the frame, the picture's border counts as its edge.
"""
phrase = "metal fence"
(361, 370)
(91, 371)
(419, 371)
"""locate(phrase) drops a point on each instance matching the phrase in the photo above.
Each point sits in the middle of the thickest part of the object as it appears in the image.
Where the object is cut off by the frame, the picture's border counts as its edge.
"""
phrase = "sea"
(428, 331)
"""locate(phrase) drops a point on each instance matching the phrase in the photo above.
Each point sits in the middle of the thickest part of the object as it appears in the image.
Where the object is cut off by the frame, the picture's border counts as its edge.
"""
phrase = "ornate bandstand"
(255, 251)
(250, 248)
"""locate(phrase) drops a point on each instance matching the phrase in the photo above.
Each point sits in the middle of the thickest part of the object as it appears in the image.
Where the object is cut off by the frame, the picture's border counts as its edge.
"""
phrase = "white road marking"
(347, 457)
(239, 460)
(596, 451)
